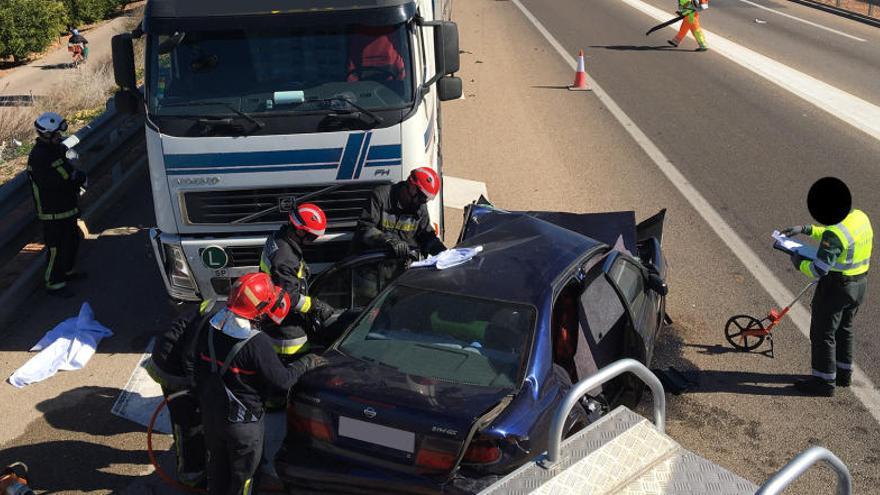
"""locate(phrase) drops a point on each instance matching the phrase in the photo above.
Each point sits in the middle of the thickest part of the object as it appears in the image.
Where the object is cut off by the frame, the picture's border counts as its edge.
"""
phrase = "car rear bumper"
(305, 470)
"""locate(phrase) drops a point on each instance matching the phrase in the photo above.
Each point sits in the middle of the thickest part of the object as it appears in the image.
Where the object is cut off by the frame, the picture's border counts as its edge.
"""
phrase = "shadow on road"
(67, 65)
(550, 87)
(641, 48)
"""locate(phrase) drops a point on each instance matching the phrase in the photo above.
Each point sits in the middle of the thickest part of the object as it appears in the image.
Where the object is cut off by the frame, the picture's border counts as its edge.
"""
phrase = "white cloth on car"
(67, 347)
(449, 258)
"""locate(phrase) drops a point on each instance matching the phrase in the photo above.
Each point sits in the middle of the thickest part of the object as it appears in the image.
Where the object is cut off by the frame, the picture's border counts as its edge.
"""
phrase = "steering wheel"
(376, 73)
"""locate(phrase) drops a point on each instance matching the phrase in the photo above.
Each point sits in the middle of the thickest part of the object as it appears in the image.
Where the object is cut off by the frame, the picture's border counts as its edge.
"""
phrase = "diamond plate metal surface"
(623, 453)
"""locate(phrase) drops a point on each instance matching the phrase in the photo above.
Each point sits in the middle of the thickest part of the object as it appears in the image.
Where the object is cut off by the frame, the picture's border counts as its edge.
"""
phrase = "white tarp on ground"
(141, 396)
(67, 347)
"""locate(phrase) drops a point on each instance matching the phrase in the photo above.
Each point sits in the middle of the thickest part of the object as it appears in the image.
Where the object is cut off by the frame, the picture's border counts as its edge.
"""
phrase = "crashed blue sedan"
(448, 379)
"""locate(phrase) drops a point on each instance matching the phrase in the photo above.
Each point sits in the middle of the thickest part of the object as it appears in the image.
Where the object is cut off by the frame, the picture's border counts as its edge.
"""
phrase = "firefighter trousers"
(835, 305)
(189, 438)
(234, 451)
(62, 239)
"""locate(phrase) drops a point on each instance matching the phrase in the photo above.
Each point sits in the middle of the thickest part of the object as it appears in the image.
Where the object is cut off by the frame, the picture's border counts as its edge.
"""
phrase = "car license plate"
(377, 434)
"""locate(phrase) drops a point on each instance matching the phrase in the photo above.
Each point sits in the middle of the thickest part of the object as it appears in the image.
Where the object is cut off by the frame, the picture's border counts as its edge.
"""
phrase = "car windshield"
(272, 71)
(442, 336)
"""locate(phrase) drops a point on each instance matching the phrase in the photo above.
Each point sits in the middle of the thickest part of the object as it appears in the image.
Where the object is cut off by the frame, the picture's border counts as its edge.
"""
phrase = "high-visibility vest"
(856, 236)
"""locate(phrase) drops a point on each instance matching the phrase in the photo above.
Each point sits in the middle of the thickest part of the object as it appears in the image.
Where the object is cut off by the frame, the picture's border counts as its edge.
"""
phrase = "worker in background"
(236, 370)
(171, 365)
(691, 22)
(842, 261)
(55, 184)
(396, 217)
(374, 56)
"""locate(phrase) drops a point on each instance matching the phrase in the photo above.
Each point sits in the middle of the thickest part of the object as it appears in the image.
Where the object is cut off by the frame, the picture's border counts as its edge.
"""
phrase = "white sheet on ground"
(67, 347)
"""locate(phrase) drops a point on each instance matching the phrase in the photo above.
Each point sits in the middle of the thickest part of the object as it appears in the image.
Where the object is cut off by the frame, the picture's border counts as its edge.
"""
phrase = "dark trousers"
(834, 308)
(189, 438)
(234, 451)
(62, 242)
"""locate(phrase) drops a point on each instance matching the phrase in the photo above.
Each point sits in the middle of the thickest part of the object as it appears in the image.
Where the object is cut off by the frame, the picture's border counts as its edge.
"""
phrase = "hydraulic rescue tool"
(747, 333)
(14, 480)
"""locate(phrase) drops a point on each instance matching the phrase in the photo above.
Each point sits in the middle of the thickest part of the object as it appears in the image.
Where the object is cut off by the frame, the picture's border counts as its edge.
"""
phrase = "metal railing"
(604, 375)
(800, 464)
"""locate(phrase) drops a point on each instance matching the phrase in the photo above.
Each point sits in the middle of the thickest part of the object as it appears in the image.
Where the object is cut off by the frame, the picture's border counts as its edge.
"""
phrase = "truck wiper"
(376, 119)
(238, 112)
(304, 197)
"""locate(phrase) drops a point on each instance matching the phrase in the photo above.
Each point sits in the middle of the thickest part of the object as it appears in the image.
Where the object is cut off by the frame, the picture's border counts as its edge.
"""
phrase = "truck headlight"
(177, 268)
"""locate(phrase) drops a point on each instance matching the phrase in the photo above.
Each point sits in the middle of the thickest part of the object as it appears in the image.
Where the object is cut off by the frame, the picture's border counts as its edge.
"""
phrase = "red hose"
(162, 474)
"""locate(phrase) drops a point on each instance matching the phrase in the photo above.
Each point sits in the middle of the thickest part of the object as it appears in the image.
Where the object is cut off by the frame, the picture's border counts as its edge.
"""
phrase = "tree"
(88, 11)
(28, 26)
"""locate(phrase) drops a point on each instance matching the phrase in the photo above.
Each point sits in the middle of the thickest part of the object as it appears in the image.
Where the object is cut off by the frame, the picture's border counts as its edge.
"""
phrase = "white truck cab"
(253, 106)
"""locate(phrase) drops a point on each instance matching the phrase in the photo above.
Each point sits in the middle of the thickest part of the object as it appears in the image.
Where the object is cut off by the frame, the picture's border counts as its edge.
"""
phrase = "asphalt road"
(751, 148)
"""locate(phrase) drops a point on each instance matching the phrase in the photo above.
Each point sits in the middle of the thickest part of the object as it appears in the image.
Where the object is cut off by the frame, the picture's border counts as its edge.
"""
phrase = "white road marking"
(811, 23)
(862, 386)
(141, 396)
(458, 193)
(848, 108)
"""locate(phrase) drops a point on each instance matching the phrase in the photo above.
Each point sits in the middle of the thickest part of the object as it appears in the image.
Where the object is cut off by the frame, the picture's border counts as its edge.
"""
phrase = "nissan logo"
(370, 413)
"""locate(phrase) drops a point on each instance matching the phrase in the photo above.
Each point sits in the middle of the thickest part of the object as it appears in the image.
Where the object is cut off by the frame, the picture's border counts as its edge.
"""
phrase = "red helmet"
(279, 309)
(309, 217)
(427, 180)
(251, 296)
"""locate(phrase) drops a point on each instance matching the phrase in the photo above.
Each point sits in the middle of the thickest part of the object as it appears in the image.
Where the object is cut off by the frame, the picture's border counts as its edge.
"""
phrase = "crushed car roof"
(522, 255)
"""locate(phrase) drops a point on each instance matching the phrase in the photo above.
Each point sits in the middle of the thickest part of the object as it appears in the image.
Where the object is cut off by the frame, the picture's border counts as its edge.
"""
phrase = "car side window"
(631, 283)
(356, 286)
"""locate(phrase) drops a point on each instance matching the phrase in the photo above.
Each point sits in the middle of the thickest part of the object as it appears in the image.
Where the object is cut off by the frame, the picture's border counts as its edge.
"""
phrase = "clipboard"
(790, 246)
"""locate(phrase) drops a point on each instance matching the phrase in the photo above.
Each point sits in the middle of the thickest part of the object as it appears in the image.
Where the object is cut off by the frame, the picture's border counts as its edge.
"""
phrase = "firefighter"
(396, 218)
(55, 184)
(171, 365)
(373, 55)
(236, 370)
(842, 260)
(691, 22)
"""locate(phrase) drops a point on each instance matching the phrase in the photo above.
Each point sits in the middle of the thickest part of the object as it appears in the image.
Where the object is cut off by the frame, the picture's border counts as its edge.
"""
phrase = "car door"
(351, 284)
(629, 279)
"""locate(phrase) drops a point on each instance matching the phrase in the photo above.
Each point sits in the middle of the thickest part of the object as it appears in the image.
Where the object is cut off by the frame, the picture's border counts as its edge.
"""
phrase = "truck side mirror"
(657, 284)
(123, 62)
(446, 56)
(449, 88)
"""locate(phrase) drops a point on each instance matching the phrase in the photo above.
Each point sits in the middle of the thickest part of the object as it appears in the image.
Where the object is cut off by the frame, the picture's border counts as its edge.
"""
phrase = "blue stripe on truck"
(248, 170)
(385, 152)
(350, 157)
(254, 158)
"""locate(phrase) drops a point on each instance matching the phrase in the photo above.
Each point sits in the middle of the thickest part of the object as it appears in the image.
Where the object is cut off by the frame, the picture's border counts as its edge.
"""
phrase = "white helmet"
(49, 123)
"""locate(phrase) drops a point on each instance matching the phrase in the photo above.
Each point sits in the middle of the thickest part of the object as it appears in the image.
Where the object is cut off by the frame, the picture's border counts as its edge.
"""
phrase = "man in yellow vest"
(841, 264)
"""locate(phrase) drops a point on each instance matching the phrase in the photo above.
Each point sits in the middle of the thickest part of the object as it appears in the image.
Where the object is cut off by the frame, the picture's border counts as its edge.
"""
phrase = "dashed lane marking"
(141, 396)
(458, 193)
(810, 23)
(862, 386)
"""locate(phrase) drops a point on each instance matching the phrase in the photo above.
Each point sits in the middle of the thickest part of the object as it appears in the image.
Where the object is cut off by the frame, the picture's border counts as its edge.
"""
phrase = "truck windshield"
(279, 72)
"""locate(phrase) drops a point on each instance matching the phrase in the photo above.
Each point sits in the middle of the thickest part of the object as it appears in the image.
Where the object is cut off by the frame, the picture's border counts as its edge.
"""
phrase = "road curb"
(841, 12)
(29, 279)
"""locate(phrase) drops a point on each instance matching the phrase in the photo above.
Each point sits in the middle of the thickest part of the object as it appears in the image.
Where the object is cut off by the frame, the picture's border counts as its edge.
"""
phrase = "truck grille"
(343, 205)
(325, 252)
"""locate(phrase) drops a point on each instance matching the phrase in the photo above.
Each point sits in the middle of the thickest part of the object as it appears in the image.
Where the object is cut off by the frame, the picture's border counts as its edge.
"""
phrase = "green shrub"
(28, 26)
(88, 11)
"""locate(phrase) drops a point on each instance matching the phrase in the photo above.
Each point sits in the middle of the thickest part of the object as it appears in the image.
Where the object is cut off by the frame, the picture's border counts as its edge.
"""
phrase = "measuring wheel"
(738, 331)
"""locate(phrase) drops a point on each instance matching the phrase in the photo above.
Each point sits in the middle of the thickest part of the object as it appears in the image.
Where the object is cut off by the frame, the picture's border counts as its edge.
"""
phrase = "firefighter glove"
(322, 310)
(398, 248)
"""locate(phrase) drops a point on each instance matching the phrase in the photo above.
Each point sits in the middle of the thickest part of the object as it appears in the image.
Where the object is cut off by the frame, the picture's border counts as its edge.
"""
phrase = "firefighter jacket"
(55, 182)
(844, 248)
(282, 259)
(254, 374)
(385, 219)
(173, 359)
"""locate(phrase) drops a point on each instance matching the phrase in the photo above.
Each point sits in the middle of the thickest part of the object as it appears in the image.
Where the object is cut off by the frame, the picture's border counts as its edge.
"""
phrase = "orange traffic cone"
(580, 77)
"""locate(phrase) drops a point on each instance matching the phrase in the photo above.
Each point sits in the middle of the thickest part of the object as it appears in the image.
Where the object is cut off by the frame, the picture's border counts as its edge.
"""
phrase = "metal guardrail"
(800, 464)
(605, 374)
(100, 140)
